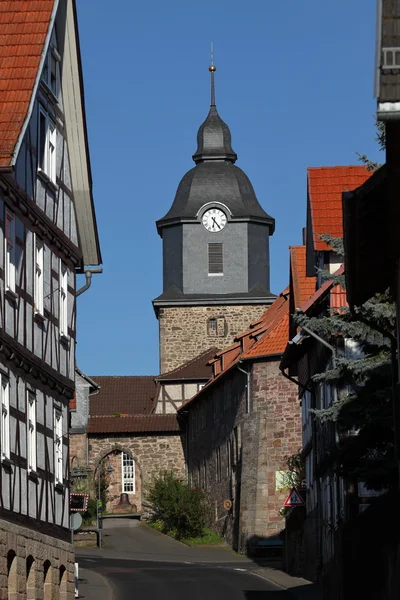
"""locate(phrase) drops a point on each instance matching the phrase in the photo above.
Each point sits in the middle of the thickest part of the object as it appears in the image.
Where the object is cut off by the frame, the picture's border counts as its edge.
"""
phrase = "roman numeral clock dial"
(214, 220)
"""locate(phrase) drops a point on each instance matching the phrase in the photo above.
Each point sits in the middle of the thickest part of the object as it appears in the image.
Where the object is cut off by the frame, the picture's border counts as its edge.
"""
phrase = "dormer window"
(47, 146)
(51, 71)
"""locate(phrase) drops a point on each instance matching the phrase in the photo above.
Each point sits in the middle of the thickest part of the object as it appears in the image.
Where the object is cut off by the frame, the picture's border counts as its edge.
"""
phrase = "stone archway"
(30, 578)
(12, 575)
(63, 584)
(120, 481)
(47, 581)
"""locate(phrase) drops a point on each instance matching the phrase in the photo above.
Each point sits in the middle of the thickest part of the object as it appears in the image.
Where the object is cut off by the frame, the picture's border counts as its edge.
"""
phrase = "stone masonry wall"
(152, 454)
(273, 430)
(34, 566)
(184, 330)
(237, 455)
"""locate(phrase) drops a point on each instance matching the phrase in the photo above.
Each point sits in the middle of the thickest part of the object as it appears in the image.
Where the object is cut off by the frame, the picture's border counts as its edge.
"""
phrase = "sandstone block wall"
(184, 331)
(152, 454)
(239, 456)
(34, 566)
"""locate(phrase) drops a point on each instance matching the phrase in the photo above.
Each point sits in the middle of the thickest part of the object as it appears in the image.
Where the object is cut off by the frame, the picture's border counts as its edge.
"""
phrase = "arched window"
(12, 575)
(47, 581)
(30, 579)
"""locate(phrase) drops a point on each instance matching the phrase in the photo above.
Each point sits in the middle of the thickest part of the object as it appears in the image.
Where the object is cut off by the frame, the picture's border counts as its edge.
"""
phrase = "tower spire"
(212, 68)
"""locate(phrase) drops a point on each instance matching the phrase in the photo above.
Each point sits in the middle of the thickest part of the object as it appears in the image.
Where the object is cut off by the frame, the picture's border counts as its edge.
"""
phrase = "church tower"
(215, 251)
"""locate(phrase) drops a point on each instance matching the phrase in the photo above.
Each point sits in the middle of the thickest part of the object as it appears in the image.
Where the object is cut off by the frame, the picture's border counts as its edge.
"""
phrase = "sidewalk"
(301, 589)
(93, 586)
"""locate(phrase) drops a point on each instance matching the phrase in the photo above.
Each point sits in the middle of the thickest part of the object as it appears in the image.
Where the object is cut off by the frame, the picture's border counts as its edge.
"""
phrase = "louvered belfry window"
(215, 260)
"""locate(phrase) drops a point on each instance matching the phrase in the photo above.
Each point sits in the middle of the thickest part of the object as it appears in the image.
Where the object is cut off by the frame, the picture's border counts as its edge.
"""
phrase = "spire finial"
(212, 68)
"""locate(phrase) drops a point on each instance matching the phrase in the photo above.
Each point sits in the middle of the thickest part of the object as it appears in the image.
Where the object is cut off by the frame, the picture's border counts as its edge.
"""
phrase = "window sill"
(39, 317)
(49, 92)
(11, 295)
(64, 339)
(34, 475)
(215, 274)
(46, 179)
(6, 463)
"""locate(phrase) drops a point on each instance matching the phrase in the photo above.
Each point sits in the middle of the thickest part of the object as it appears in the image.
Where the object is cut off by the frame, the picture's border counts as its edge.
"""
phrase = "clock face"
(214, 220)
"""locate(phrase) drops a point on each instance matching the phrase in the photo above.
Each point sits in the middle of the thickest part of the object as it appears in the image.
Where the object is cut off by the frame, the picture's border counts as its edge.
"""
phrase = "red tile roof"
(322, 291)
(197, 368)
(325, 188)
(303, 286)
(275, 339)
(133, 424)
(125, 395)
(23, 29)
(268, 338)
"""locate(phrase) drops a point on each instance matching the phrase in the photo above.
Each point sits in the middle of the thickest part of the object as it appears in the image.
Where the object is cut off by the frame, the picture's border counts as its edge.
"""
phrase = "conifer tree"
(362, 374)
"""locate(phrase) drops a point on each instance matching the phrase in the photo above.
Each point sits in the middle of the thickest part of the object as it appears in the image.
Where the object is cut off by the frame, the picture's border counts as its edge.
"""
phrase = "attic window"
(215, 259)
(47, 146)
(51, 71)
(390, 58)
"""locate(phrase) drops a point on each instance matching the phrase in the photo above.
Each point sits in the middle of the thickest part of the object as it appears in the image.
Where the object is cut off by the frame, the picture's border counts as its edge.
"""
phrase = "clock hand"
(216, 223)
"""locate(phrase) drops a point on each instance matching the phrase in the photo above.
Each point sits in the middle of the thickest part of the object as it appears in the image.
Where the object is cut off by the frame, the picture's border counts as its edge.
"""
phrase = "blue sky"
(294, 82)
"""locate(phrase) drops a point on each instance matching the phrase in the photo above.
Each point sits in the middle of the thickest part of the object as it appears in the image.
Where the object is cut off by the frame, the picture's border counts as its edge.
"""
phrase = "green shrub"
(181, 509)
(90, 515)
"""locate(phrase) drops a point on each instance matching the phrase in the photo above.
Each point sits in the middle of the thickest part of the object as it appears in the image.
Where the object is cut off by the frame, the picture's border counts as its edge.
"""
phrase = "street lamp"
(108, 469)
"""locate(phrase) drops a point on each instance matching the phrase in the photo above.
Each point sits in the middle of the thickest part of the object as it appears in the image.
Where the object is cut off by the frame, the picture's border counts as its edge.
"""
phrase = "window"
(391, 58)
(212, 327)
(216, 327)
(47, 146)
(5, 418)
(58, 447)
(128, 473)
(39, 279)
(31, 430)
(10, 252)
(63, 298)
(215, 262)
(50, 73)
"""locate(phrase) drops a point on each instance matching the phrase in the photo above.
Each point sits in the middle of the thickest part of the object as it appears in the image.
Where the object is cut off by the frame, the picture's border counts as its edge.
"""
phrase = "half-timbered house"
(47, 235)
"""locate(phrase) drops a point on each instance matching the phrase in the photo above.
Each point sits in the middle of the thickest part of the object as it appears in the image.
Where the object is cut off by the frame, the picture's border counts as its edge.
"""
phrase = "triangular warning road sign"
(294, 499)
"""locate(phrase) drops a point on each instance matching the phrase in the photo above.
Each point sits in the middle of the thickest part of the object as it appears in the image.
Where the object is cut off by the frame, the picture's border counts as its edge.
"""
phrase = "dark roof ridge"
(188, 362)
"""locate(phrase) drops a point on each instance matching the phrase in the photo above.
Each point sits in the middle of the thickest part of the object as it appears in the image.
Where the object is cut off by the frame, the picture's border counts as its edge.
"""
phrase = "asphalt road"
(147, 580)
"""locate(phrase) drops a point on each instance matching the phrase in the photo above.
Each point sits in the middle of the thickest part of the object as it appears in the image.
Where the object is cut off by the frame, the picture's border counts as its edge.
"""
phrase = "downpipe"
(89, 271)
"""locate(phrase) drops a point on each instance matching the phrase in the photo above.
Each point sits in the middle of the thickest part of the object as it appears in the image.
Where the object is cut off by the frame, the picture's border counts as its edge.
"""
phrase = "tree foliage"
(381, 140)
(180, 510)
(362, 376)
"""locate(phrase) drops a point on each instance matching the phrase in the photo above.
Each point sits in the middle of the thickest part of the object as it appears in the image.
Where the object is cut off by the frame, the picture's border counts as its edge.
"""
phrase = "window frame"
(49, 165)
(58, 446)
(39, 277)
(31, 431)
(52, 55)
(124, 478)
(5, 450)
(210, 246)
(63, 300)
(10, 266)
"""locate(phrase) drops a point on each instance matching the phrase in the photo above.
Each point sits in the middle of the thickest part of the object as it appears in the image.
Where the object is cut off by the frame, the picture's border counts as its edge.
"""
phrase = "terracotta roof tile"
(303, 286)
(325, 288)
(197, 368)
(276, 337)
(325, 188)
(133, 424)
(23, 29)
(269, 338)
(126, 395)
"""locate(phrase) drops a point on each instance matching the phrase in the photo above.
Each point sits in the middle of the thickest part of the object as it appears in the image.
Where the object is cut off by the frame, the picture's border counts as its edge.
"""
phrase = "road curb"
(95, 583)
(299, 588)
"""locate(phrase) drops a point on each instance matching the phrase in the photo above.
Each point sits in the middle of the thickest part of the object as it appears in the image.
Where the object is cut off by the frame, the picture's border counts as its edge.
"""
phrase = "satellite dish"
(75, 521)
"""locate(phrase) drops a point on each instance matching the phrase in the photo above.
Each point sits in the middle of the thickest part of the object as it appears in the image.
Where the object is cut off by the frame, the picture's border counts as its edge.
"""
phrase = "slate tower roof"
(215, 178)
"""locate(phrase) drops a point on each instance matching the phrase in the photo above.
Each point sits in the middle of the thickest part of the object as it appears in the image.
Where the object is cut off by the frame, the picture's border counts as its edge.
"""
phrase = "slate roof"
(133, 424)
(132, 395)
(23, 29)
(303, 286)
(325, 188)
(194, 369)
